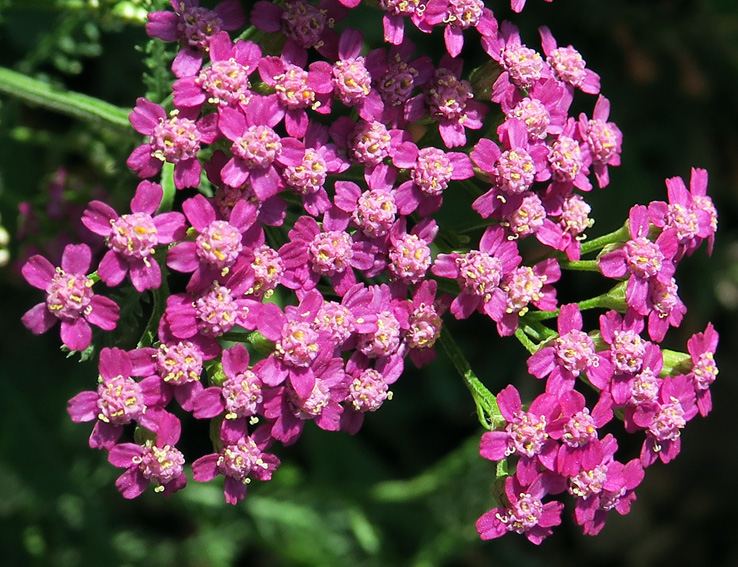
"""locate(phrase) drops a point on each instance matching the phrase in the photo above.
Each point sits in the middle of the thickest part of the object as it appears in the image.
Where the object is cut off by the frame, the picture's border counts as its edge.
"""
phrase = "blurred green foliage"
(407, 490)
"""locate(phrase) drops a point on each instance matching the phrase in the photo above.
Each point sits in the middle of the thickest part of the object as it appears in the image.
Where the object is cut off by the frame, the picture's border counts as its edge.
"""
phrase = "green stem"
(620, 235)
(160, 304)
(580, 265)
(487, 410)
(529, 345)
(540, 315)
(83, 107)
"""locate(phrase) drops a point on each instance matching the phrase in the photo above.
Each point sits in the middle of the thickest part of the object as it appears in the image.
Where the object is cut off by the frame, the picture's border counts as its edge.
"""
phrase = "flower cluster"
(311, 262)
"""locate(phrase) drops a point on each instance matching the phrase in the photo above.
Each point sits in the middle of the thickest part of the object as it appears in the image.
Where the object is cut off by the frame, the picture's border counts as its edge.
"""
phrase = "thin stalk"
(580, 265)
(77, 105)
(620, 235)
(487, 410)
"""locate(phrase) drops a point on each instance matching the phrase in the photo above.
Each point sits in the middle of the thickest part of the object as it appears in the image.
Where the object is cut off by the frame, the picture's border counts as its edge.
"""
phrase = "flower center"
(258, 147)
(479, 273)
(368, 391)
(575, 351)
(298, 345)
(330, 252)
(120, 400)
(175, 140)
(179, 363)
(68, 295)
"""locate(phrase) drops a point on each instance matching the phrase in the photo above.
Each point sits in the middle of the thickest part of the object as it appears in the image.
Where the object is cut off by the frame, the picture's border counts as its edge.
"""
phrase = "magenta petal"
(170, 227)
(187, 173)
(83, 407)
(542, 363)
(123, 455)
(38, 319)
(104, 314)
(112, 269)
(105, 436)
(205, 468)
(208, 404)
(183, 257)
(76, 258)
(38, 272)
(146, 116)
(489, 525)
(272, 372)
(147, 198)
(131, 483)
(98, 216)
(144, 276)
(77, 335)
(234, 490)
(494, 445)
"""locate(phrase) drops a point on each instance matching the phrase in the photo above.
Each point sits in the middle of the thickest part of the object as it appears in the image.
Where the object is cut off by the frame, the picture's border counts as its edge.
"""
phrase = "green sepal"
(261, 344)
(675, 363)
(214, 371)
(142, 436)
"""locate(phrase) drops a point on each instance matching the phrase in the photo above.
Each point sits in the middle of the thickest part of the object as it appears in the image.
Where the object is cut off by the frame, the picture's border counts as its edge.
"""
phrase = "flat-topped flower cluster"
(314, 265)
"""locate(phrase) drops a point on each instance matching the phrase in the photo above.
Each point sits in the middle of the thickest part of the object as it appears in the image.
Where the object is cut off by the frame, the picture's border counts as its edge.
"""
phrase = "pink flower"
(393, 20)
(298, 89)
(512, 171)
(451, 103)
(701, 347)
(459, 15)
(156, 461)
(609, 485)
(309, 165)
(368, 389)
(568, 65)
(425, 322)
(256, 146)
(604, 140)
(396, 75)
(352, 82)
(194, 27)
(118, 400)
(566, 235)
(291, 405)
(544, 109)
(522, 66)
(665, 308)
(691, 213)
(303, 23)
(297, 343)
(174, 139)
(211, 312)
(524, 286)
(664, 419)
(409, 253)
(576, 429)
(240, 394)
(133, 238)
(332, 252)
(479, 273)
(69, 298)
(526, 433)
(641, 258)
(241, 457)
(429, 178)
(627, 349)
(571, 354)
(219, 243)
(523, 512)
(225, 81)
